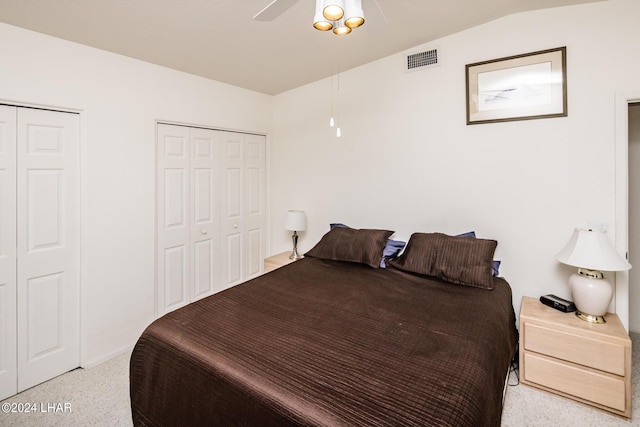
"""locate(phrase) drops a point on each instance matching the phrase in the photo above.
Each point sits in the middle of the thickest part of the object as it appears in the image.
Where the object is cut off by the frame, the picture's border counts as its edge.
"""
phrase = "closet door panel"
(255, 204)
(174, 273)
(203, 276)
(233, 221)
(255, 255)
(233, 259)
(8, 337)
(205, 228)
(47, 245)
(173, 218)
(45, 315)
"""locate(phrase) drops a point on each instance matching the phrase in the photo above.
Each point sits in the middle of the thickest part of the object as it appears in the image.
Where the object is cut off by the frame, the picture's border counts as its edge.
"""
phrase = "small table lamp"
(592, 253)
(296, 221)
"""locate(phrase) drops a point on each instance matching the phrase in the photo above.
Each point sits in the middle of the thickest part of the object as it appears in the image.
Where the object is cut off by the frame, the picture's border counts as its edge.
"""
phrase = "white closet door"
(254, 205)
(48, 287)
(211, 212)
(173, 218)
(244, 210)
(233, 208)
(188, 215)
(8, 337)
(205, 219)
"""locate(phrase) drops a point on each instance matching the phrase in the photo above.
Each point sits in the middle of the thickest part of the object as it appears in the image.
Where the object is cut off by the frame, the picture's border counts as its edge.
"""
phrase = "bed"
(329, 341)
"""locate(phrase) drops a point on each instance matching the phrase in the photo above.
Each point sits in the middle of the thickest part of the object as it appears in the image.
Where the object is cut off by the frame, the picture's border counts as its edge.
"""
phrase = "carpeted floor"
(100, 397)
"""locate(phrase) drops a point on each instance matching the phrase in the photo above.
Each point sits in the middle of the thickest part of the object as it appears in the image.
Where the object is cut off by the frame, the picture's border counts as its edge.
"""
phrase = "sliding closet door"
(187, 216)
(8, 337)
(48, 274)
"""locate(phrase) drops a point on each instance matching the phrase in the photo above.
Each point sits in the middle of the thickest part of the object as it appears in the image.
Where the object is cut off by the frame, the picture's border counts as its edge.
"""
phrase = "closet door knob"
(204, 231)
(235, 225)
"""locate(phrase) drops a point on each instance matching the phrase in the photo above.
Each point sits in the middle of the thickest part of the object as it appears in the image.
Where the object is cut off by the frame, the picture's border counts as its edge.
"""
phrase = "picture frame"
(521, 87)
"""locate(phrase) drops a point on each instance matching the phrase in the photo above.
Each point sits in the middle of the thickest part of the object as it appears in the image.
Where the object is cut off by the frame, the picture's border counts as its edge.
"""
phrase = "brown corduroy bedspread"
(328, 343)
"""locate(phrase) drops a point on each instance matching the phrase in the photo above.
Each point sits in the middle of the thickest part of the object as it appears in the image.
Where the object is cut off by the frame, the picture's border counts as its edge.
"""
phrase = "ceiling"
(218, 39)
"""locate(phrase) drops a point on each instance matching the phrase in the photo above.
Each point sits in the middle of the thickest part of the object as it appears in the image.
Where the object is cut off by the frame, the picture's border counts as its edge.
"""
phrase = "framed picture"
(521, 87)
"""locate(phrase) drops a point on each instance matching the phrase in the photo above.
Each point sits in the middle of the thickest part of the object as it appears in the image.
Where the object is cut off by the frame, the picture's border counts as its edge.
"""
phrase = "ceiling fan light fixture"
(332, 10)
(353, 15)
(341, 16)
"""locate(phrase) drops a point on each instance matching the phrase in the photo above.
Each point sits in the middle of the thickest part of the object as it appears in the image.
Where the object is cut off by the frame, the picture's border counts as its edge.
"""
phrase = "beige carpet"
(100, 397)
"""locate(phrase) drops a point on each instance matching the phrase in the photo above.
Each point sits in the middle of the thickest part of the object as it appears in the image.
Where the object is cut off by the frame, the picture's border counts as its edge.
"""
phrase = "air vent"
(422, 60)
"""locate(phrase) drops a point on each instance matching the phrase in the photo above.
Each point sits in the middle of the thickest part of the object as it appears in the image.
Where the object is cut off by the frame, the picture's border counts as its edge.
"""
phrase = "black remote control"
(558, 303)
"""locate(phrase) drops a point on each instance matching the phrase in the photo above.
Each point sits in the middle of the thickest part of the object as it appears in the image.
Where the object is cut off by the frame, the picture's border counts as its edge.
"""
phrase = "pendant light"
(353, 15)
(319, 21)
(331, 121)
(341, 29)
(335, 105)
(341, 16)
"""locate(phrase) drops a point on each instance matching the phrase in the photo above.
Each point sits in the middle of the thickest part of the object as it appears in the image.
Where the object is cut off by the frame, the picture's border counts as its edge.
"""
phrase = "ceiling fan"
(274, 9)
(373, 12)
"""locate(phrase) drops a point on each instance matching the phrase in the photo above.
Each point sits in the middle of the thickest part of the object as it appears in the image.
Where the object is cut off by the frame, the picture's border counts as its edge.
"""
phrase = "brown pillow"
(451, 258)
(353, 245)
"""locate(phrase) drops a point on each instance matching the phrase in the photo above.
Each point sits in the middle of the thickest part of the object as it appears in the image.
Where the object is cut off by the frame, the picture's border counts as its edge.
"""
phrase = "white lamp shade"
(296, 221)
(591, 250)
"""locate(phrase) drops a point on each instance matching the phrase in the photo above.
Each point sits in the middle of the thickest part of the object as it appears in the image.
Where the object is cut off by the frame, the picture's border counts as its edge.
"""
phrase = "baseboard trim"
(95, 362)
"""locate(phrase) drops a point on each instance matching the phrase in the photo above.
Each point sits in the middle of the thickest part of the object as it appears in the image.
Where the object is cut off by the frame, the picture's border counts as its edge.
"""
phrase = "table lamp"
(592, 252)
(296, 221)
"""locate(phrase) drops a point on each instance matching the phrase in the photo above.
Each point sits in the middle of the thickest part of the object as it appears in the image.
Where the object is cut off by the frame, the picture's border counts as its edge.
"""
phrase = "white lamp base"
(592, 295)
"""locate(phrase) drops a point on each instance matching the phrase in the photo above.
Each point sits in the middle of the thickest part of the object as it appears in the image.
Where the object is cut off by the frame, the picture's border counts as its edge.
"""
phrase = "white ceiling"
(218, 39)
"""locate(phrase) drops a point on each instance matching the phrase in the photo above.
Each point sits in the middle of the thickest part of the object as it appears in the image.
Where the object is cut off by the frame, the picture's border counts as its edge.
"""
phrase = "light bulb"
(338, 133)
(331, 123)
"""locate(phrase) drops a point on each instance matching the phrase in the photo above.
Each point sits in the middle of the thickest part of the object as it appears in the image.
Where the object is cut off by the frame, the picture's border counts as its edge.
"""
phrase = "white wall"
(120, 100)
(408, 162)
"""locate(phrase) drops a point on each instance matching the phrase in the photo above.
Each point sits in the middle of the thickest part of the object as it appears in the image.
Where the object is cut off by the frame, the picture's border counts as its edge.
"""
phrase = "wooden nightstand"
(277, 261)
(586, 362)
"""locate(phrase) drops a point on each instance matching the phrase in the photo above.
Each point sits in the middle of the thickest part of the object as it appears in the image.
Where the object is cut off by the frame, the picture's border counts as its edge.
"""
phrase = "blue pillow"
(496, 264)
(496, 267)
(468, 234)
(391, 250)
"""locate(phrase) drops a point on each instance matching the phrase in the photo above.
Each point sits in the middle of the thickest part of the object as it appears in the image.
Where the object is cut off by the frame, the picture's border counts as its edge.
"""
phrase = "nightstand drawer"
(571, 347)
(593, 386)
